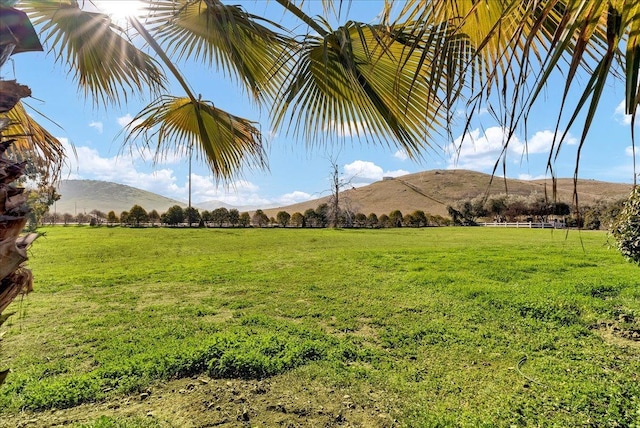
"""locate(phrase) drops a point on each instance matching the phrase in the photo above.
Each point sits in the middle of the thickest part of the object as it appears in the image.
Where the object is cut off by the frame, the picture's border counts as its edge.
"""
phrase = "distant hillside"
(429, 191)
(87, 195)
(432, 191)
(213, 204)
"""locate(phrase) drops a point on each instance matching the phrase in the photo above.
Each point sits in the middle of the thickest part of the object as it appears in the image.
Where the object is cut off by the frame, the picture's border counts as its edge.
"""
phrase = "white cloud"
(293, 198)
(365, 171)
(126, 169)
(349, 129)
(529, 177)
(165, 159)
(87, 163)
(619, 113)
(97, 125)
(238, 193)
(125, 120)
(480, 152)
(145, 154)
(463, 114)
(629, 151)
(401, 154)
(130, 168)
(540, 142)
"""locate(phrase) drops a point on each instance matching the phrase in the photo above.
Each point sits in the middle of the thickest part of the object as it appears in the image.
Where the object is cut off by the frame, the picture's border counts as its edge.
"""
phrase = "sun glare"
(120, 10)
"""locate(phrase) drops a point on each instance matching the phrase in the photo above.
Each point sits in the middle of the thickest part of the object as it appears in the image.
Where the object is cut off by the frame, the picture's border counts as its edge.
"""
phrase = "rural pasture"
(281, 327)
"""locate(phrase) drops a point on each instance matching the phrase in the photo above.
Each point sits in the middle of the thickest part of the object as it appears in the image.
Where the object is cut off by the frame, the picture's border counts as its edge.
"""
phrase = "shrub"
(626, 228)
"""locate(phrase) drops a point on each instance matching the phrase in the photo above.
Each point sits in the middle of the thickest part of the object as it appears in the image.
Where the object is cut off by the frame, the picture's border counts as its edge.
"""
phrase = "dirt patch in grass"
(281, 401)
(624, 332)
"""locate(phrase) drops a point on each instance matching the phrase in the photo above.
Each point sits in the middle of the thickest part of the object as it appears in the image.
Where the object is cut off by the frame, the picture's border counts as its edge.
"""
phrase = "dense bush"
(626, 228)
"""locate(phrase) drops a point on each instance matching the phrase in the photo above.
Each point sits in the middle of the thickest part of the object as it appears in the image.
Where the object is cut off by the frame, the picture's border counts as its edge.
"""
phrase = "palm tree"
(14, 278)
(17, 35)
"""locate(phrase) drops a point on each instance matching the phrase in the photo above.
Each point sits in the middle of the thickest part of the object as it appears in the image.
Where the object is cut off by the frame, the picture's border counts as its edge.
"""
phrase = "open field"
(272, 327)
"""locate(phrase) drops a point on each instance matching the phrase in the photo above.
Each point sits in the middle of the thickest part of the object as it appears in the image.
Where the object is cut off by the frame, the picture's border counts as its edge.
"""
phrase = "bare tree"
(338, 183)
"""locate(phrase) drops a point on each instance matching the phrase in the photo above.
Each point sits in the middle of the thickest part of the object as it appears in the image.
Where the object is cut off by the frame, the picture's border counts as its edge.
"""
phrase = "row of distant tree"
(497, 208)
(323, 216)
(223, 217)
(535, 207)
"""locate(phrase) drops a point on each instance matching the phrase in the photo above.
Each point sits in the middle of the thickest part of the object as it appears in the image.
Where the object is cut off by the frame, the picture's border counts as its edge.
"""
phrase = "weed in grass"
(562, 313)
(602, 291)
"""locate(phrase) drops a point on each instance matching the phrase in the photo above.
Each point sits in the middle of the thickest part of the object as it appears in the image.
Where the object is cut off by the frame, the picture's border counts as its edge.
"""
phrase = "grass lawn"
(445, 326)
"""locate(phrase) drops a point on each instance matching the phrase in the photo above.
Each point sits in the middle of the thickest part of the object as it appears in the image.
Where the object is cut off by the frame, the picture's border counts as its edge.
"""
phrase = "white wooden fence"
(526, 225)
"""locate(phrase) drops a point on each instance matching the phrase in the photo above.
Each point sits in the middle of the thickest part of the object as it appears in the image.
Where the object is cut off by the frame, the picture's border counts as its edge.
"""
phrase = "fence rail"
(526, 225)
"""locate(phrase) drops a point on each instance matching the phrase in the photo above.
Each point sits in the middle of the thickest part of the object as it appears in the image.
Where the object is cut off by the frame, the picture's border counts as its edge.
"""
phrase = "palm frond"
(517, 47)
(179, 125)
(33, 142)
(105, 63)
(359, 80)
(630, 17)
(225, 36)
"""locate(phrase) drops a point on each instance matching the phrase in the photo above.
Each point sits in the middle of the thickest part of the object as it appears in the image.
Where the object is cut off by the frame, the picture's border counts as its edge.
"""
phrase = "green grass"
(458, 326)
(107, 422)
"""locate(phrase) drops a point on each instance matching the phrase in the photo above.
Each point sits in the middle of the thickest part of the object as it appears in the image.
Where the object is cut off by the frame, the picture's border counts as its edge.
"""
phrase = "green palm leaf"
(359, 80)
(519, 45)
(225, 36)
(104, 61)
(32, 141)
(179, 125)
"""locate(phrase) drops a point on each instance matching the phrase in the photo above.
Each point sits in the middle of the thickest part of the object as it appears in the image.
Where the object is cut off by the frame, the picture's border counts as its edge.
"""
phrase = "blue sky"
(296, 172)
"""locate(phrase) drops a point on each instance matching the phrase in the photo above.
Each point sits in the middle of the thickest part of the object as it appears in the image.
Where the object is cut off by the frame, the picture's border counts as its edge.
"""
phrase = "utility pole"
(190, 156)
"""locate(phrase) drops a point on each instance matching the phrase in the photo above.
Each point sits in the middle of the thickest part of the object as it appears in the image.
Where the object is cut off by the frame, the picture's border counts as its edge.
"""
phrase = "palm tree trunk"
(14, 278)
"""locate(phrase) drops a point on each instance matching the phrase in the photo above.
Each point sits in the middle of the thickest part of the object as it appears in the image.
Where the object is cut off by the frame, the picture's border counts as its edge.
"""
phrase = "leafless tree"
(338, 183)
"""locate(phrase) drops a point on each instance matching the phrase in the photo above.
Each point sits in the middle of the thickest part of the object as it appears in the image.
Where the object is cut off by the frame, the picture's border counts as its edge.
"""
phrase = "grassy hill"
(87, 195)
(432, 191)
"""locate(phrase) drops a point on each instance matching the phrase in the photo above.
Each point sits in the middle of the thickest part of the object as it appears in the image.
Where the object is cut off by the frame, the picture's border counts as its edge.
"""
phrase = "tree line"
(496, 208)
(324, 216)
(176, 216)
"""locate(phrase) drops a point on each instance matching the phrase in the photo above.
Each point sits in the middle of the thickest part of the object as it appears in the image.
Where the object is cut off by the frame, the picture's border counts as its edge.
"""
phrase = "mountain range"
(430, 191)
